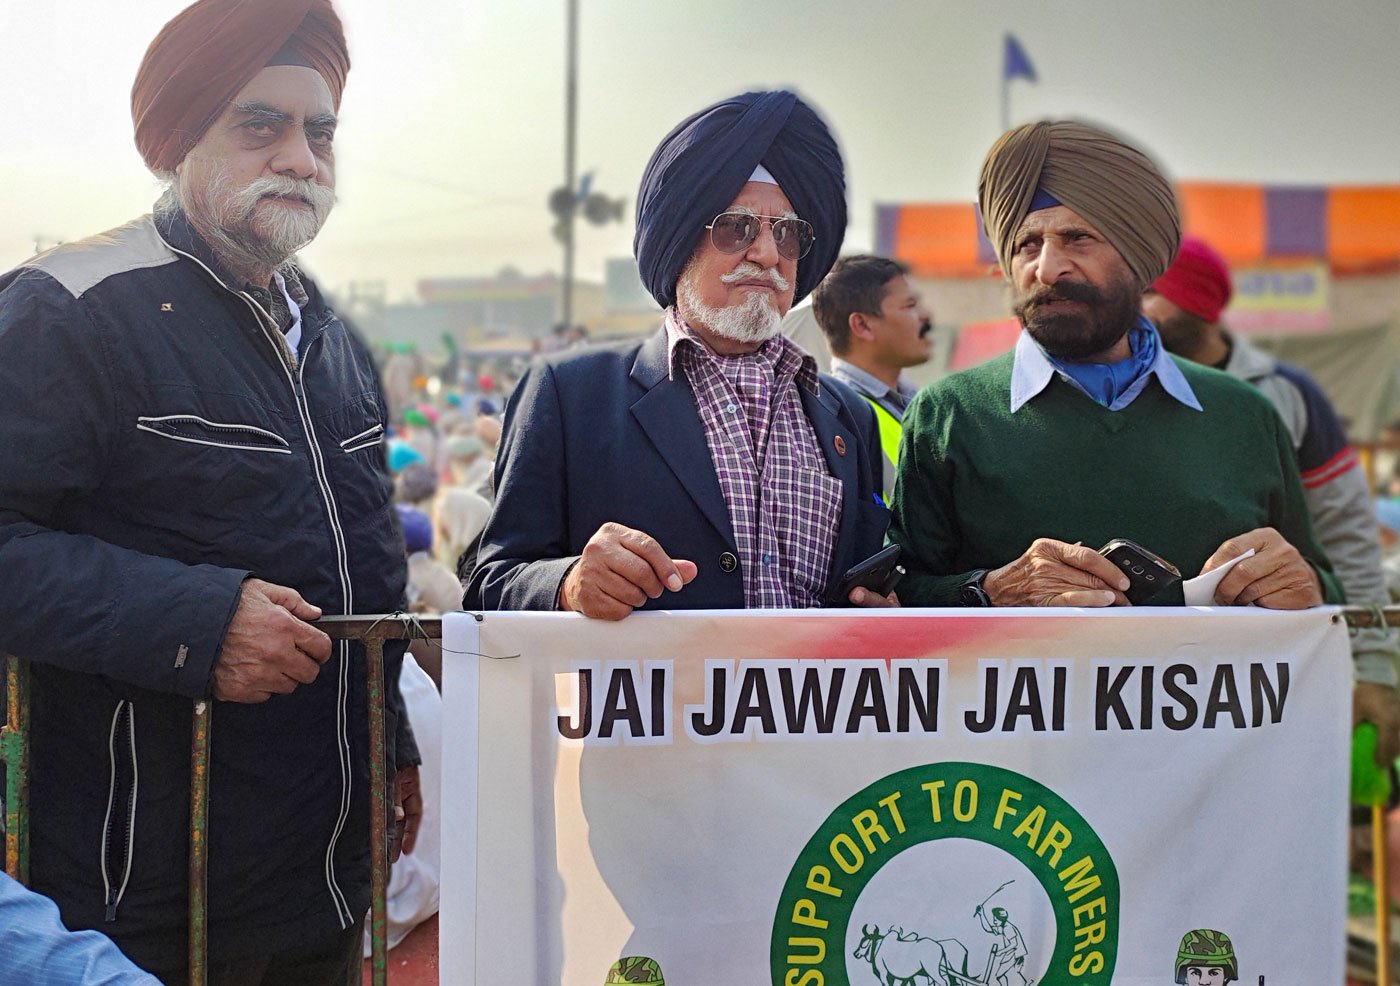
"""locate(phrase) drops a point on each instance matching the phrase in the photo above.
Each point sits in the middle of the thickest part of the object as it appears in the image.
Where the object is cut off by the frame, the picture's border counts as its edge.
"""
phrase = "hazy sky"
(451, 132)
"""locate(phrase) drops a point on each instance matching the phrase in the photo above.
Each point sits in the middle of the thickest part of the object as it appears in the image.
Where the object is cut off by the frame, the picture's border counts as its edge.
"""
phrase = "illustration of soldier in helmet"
(635, 970)
(1206, 958)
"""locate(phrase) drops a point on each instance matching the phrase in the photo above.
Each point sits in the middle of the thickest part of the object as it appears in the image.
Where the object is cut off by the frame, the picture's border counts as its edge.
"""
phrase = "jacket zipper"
(119, 828)
(204, 432)
(372, 432)
(296, 381)
(365, 439)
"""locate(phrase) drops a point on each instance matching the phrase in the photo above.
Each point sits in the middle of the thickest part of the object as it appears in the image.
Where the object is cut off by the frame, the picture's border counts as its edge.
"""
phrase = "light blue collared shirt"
(39, 951)
(1032, 371)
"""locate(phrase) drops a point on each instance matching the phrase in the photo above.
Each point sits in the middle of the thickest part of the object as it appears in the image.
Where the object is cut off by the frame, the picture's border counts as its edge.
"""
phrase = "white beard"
(238, 224)
(752, 321)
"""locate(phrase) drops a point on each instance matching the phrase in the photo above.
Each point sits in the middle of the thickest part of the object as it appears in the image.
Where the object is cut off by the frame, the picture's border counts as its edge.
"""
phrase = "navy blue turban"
(701, 166)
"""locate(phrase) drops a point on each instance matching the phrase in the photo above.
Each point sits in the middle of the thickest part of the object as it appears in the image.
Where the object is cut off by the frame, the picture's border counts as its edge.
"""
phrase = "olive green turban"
(1114, 186)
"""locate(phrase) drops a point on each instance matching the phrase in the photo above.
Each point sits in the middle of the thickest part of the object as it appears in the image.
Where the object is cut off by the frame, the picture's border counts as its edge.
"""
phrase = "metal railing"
(372, 631)
(14, 756)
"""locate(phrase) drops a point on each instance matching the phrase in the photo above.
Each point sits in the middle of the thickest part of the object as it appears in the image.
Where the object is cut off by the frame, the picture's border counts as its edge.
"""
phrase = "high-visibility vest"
(889, 434)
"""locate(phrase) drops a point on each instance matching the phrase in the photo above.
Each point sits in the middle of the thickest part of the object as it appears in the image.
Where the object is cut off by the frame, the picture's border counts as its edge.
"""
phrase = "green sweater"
(977, 484)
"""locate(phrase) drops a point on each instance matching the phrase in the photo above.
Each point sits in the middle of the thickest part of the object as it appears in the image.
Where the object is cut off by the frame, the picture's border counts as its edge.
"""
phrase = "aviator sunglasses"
(734, 232)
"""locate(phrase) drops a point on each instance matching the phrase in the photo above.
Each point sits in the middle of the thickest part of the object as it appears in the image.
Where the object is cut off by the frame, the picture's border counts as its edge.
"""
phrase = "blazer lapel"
(841, 448)
(668, 415)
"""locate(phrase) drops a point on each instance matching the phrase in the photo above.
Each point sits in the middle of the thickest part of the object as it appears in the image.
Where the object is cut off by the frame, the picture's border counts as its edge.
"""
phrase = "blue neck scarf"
(1105, 383)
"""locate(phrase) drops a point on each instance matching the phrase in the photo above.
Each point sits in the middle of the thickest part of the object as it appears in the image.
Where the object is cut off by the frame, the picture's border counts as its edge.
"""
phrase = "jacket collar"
(180, 235)
(666, 412)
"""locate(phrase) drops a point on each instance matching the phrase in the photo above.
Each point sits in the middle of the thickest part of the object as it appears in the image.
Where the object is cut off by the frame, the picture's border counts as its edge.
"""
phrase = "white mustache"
(747, 271)
(319, 197)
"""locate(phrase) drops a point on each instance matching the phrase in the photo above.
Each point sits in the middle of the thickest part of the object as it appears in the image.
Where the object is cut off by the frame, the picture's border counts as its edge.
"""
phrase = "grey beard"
(224, 218)
(753, 321)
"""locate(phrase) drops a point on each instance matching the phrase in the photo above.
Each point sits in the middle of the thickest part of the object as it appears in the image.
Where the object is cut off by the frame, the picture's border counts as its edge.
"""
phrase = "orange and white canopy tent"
(1316, 268)
(1355, 229)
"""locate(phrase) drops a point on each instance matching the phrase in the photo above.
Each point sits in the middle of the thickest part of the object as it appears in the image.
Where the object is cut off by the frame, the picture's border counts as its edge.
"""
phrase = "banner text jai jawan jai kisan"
(823, 798)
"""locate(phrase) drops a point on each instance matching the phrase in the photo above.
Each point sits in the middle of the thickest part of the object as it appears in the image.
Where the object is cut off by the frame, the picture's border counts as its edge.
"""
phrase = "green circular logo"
(1009, 811)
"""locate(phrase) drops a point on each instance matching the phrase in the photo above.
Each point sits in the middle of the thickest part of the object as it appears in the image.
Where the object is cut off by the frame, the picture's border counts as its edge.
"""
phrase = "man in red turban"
(1186, 302)
(202, 493)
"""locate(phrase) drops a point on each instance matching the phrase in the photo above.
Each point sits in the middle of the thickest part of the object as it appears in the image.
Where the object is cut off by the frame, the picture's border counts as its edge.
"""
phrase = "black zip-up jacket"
(160, 444)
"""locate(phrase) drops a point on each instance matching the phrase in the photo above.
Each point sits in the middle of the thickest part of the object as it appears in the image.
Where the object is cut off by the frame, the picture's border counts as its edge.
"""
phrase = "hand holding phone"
(879, 574)
(1147, 572)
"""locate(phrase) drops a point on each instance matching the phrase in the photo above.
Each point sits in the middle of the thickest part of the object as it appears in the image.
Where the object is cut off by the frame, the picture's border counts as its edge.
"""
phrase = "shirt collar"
(680, 335)
(869, 383)
(1032, 371)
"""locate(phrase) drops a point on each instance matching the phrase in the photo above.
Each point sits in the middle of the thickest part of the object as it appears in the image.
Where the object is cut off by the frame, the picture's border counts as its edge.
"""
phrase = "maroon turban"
(211, 50)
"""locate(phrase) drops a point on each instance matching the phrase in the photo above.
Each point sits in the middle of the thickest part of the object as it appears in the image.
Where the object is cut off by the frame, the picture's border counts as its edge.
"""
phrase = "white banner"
(909, 798)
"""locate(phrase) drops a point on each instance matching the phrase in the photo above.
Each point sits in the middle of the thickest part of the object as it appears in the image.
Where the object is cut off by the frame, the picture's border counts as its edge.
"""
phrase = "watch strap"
(972, 592)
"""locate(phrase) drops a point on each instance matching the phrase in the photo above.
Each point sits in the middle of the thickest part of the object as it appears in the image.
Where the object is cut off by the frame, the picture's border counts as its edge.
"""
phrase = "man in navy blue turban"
(710, 467)
(703, 164)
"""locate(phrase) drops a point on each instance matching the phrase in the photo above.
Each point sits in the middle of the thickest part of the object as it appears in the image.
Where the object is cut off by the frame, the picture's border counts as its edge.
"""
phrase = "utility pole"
(570, 138)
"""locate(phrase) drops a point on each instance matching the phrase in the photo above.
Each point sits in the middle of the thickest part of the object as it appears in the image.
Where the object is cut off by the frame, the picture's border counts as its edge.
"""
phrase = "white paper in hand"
(1200, 591)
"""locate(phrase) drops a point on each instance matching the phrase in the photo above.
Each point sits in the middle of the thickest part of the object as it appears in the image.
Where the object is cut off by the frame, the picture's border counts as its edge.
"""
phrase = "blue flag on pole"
(1015, 64)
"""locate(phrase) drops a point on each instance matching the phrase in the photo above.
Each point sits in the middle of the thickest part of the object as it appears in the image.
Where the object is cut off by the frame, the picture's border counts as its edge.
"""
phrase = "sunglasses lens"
(733, 232)
(793, 237)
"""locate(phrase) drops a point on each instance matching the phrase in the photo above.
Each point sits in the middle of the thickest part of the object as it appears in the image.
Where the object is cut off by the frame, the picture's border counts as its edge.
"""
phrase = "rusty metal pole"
(14, 753)
(373, 631)
(1389, 616)
(199, 841)
(379, 808)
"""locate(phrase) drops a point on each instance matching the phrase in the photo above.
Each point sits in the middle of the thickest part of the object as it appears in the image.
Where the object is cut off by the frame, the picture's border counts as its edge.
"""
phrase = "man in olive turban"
(189, 477)
(710, 466)
(1014, 473)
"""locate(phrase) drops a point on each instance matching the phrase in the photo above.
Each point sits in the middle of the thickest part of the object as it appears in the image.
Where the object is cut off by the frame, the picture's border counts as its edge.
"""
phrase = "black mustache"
(926, 328)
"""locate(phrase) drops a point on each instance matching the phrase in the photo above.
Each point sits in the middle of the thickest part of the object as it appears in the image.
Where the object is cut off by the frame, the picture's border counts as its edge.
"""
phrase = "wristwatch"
(971, 592)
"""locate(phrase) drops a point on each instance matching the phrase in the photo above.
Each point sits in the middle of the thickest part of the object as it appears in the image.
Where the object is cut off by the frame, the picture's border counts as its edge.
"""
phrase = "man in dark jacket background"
(192, 471)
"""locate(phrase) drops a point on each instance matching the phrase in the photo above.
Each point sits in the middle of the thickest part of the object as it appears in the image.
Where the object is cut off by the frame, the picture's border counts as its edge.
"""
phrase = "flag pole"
(570, 167)
(1005, 102)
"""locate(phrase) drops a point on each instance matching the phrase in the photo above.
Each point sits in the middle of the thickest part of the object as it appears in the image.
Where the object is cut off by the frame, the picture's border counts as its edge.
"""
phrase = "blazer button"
(727, 562)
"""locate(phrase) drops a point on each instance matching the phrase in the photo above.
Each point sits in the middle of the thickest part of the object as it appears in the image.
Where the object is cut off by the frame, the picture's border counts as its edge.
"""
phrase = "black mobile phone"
(879, 573)
(1148, 573)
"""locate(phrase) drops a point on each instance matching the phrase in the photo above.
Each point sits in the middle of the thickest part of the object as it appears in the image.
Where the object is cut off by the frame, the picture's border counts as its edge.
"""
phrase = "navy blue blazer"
(603, 434)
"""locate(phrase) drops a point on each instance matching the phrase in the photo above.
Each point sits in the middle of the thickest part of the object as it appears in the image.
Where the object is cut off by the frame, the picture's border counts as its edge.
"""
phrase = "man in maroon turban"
(201, 493)
(235, 102)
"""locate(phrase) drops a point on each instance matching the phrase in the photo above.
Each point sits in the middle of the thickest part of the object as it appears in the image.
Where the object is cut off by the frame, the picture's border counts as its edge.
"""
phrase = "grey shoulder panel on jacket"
(83, 264)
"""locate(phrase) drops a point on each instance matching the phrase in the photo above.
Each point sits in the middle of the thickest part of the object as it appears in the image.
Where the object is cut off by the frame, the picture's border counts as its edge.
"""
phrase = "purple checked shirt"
(784, 504)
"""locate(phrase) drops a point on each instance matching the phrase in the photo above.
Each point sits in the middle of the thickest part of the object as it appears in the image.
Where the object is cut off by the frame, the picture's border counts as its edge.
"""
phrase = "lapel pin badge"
(840, 444)
(166, 306)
